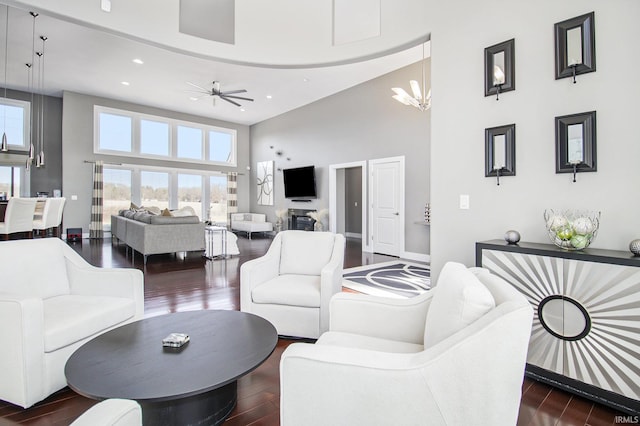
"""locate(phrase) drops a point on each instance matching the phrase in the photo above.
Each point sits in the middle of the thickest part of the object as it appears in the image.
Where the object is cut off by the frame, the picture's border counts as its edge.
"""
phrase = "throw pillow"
(133, 207)
(166, 212)
(248, 217)
(185, 211)
(153, 210)
(459, 299)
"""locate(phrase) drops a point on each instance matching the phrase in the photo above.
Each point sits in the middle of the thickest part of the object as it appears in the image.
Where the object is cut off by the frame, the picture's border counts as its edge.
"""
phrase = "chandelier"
(420, 98)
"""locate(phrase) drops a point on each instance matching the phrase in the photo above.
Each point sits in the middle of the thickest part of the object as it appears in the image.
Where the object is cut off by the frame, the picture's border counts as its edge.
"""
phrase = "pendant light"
(40, 158)
(5, 144)
(420, 99)
(33, 52)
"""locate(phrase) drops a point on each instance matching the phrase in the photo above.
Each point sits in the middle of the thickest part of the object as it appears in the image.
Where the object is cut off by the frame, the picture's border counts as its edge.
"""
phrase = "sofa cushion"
(358, 341)
(23, 274)
(305, 253)
(129, 214)
(170, 220)
(459, 299)
(142, 216)
(71, 318)
(248, 217)
(291, 290)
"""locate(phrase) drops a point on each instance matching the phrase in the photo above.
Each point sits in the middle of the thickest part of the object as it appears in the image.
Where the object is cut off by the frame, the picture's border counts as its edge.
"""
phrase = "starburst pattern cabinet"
(586, 328)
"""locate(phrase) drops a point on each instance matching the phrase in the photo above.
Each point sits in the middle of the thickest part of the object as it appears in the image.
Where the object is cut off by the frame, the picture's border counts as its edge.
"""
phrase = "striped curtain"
(232, 195)
(95, 227)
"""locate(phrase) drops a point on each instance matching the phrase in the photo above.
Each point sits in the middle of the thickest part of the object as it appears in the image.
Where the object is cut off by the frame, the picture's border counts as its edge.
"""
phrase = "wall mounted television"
(300, 182)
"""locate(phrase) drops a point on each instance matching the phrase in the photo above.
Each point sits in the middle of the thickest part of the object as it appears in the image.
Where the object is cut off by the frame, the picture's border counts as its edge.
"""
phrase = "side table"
(210, 232)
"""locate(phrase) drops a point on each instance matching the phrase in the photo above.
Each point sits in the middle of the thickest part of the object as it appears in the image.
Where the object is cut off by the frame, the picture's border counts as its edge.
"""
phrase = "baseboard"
(353, 235)
(418, 257)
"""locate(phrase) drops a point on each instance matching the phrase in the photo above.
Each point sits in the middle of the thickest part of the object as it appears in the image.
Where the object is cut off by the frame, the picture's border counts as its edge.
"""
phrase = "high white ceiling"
(284, 50)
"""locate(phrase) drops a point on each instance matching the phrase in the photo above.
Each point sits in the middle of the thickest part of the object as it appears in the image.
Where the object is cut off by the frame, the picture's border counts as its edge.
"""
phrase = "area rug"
(396, 279)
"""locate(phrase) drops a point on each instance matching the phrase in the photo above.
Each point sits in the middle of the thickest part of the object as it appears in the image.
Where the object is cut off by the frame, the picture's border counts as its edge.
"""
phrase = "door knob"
(397, 214)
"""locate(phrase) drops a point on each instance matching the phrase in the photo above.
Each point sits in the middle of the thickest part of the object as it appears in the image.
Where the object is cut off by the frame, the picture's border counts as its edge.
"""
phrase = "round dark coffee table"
(195, 384)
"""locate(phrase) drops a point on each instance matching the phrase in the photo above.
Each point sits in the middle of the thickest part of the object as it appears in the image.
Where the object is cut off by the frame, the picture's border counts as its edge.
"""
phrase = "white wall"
(460, 113)
(77, 146)
(360, 123)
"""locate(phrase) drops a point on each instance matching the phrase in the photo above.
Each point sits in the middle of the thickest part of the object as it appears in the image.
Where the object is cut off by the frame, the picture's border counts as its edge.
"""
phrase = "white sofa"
(111, 412)
(453, 356)
(250, 223)
(292, 284)
(51, 302)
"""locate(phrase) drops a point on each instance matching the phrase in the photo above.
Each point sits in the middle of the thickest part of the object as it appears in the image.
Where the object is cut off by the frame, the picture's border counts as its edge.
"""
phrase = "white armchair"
(292, 284)
(51, 302)
(111, 412)
(453, 356)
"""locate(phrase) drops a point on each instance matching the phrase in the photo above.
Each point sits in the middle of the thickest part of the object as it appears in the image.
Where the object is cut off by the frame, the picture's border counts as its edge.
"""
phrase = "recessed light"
(125, 83)
(242, 109)
(138, 61)
(193, 98)
(306, 80)
(269, 97)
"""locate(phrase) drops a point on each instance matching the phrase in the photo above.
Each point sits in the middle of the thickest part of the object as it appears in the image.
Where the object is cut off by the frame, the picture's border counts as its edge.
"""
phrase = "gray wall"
(77, 146)
(360, 123)
(460, 113)
(49, 177)
(353, 200)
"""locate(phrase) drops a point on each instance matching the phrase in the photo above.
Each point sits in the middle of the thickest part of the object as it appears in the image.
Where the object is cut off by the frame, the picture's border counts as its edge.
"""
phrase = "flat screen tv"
(300, 182)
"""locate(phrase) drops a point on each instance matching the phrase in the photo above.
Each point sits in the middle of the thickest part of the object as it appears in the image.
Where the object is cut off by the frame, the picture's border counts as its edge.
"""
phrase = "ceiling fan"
(215, 92)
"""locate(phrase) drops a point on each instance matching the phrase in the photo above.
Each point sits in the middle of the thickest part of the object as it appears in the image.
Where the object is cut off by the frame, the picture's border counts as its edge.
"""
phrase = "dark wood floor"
(179, 283)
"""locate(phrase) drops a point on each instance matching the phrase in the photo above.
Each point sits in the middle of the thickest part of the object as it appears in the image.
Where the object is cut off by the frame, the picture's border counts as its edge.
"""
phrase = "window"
(154, 137)
(14, 121)
(154, 189)
(218, 198)
(115, 132)
(11, 179)
(190, 192)
(132, 134)
(220, 145)
(189, 142)
(116, 192)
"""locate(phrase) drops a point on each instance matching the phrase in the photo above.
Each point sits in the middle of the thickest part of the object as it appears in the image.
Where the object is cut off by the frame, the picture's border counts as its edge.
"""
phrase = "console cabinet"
(586, 328)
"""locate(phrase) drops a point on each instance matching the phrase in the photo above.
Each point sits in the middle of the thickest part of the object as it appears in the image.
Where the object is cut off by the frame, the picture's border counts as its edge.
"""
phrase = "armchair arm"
(22, 363)
(322, 385)
(331, 280)
(396, 319)
(257, 271)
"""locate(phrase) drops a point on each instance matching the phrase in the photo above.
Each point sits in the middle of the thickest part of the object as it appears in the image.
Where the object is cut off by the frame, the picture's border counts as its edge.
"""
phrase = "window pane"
(5, 181)
(220, 146)
(218, 199)
(115, 132)
(190, 192)
(12, 123)
(116, 192)
(189, 142)
(17, 184)
(154, 189)
(154, 137)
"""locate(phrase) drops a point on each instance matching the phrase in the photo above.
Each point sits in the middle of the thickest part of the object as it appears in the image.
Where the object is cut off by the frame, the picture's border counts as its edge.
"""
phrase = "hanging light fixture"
(5, 144)
(42, 99)
(30, 66)
(420, 99)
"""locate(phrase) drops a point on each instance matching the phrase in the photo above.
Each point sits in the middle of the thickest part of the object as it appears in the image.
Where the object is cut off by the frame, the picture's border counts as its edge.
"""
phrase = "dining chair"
(18, 217)
(51, 216)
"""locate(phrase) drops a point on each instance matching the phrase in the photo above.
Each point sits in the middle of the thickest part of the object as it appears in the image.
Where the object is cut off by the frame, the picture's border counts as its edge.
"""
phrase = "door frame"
(401, 180)
(333, 199)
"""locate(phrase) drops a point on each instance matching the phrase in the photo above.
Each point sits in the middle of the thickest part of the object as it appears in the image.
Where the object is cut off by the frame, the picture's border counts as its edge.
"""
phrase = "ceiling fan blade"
(198, 87)
(230, 92)
(229, 100)
(237, 97)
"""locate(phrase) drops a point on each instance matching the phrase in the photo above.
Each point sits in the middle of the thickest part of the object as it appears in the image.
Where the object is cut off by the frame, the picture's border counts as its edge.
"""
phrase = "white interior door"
(387, 205)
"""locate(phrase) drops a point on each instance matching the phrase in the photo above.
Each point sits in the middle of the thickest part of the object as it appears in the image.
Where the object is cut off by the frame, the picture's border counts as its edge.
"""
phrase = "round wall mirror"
(564, 317)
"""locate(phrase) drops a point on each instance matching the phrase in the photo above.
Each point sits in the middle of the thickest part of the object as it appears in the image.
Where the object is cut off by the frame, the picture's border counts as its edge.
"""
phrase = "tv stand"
(299, 220)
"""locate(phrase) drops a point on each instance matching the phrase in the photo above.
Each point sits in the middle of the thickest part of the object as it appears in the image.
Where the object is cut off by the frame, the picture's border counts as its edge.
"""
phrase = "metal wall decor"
(264, 172)
(576, 143)
(575, 45)
(500, 151)
(499, 68)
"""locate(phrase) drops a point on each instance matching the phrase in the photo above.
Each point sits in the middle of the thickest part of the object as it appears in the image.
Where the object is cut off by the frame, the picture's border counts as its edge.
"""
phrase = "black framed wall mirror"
(500, 151)
(576, 143)
(575, 46)
(499, 68)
